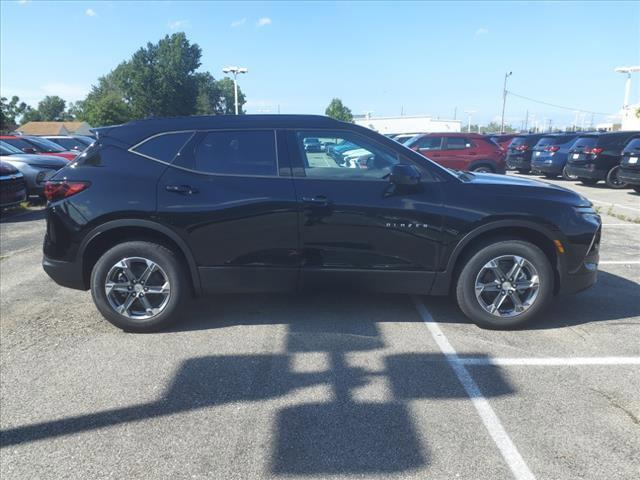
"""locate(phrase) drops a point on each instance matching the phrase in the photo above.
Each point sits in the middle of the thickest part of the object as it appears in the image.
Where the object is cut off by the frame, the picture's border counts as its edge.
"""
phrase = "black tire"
(550, 176)
(588, 181)
(612, 179)
(523, 170)
(636, 188)
(466, 282)
(484, 168)
(567, 176)
(171, 267)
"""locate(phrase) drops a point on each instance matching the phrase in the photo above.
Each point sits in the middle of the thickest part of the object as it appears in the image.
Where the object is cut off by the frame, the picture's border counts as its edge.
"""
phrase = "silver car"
(37, 169)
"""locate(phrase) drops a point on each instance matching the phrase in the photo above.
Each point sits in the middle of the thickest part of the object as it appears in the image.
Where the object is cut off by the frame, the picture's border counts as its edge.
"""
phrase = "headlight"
(589, 214)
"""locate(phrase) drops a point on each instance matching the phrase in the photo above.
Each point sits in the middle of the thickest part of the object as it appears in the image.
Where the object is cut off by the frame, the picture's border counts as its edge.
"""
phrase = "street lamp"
(504, 100)
(627, 85)
(235, 71)
(469, 113)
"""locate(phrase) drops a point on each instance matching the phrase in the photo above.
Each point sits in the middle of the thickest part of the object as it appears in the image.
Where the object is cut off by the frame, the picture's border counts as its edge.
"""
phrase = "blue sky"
(379, 57)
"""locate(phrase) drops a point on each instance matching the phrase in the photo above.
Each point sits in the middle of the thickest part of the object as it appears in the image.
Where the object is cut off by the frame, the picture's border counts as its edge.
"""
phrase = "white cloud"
(22, 2)
(176, 24)
(89, 12)
(482, 31)
(238, 23)
(264, 21)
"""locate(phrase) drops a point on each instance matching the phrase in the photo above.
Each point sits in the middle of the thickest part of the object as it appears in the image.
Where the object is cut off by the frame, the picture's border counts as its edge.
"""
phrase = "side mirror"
(403, 174)
(29, 150)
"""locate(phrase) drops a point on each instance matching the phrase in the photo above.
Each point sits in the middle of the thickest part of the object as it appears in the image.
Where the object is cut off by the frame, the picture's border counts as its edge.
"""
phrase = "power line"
(557, 106)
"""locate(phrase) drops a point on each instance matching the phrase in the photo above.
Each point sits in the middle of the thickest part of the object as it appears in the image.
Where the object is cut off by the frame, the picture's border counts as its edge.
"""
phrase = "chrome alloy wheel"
(507, 286)
(137, 288)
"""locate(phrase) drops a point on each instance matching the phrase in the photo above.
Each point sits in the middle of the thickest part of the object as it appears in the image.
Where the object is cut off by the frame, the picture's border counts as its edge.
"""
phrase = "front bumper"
(632, 177)
(584, 172)
(66, 274)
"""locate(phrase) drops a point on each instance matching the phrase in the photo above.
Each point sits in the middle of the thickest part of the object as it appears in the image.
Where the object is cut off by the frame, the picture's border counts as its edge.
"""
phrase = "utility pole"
(526, 121)
(504, 100)
(235, 71)
(469, 113)
(455, 113)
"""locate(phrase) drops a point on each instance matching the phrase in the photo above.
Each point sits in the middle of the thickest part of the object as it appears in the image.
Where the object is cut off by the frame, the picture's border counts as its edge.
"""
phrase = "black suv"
(158, 210)
(630, 164)
(597, 157)
(520, 152)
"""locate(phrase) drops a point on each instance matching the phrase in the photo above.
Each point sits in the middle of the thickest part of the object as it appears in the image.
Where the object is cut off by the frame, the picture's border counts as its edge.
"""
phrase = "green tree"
(31, 115)
(227, 97)
(10, 111)
(337, 110)
(494, 127)
(52, 108)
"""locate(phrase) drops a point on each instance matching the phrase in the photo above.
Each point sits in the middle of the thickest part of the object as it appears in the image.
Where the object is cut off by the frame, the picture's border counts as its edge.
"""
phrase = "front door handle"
(316, 200)
(183, 189)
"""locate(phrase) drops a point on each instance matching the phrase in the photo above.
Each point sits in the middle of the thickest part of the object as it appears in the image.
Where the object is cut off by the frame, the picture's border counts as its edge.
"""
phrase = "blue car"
(549, 155)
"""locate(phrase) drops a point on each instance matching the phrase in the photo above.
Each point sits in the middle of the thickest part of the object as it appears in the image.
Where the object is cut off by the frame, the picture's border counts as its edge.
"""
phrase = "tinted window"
(68, 143)
(584, 142)
(45, 145)
(20, 143)
(633, 145)
(544, 141)
(428, 143)
(7, 149)
(518, 141)
(362, 159)
(458, 143)
(163, 147)
(238, 152)
(615, 139)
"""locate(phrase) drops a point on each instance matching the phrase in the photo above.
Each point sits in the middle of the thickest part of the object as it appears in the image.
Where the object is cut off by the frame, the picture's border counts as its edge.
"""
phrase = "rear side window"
(458, 143)
(241, 152)
(428, 143)
(163, 147)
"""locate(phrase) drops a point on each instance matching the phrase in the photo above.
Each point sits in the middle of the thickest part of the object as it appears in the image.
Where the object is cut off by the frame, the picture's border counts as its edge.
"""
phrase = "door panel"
(239, 227)
(355, 230)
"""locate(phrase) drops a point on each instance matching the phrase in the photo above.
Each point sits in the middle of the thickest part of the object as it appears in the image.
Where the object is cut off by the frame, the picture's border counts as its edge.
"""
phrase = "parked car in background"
(630, 164)
(13, 188)
(37, 169)
(215, 207)
(460, 151)
(549, 155)
(520, 150)
(596, 158)
(405, 137)
(312, 145)
(71, 142)
(502, 139)
(38, 145)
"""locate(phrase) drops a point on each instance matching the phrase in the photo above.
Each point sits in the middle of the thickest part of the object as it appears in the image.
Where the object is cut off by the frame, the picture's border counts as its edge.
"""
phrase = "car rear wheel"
(612, 180)
(550, 176)
(588, 181)
(139, 286)
(567, 176)
(483, 169)
(505, 284)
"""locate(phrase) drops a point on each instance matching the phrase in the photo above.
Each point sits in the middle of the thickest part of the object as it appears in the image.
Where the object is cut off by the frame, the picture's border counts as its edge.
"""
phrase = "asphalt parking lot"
(321, 385)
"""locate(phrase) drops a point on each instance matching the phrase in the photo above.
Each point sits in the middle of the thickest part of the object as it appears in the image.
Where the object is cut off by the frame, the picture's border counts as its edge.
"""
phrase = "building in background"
(55, 128)
(407, 124)
(630, 119)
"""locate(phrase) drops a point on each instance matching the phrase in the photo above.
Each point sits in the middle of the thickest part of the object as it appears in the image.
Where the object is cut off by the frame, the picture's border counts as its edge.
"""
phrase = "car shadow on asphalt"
(22, 216)
(345, 434)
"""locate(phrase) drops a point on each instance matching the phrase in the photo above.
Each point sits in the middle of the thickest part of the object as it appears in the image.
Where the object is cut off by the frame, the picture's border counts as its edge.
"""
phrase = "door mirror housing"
(404, 174)
(29, 150)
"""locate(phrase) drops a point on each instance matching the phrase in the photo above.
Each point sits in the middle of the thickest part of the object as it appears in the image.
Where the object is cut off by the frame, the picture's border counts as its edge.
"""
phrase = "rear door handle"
(316, 200)
(183, 189)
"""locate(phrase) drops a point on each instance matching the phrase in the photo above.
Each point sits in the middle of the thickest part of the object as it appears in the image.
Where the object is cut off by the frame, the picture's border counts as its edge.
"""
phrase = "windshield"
(584, 142)
(633, 145)
(45, 145)
(7, 149)
(518, 141)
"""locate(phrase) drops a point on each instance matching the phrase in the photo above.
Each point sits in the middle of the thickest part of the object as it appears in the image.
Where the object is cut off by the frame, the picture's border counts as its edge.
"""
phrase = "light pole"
(504, 100)
(469, 113)
(627, 84)
(235, 71)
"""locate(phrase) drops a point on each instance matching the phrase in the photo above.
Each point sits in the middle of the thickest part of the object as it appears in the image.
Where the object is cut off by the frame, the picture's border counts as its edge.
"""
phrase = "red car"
(40, 146)
(461, 151)
(502, 139)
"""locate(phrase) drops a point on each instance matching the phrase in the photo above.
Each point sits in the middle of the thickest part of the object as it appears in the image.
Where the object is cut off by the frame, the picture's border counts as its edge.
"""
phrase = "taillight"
(522, 148)
(57, 190)
(597, 150)
(552, 148)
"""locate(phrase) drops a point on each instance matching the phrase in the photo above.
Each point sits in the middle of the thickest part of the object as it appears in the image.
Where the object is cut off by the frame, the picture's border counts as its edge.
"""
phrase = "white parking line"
(621, 224)
(619, 262)
(551, 361)
(491, 421)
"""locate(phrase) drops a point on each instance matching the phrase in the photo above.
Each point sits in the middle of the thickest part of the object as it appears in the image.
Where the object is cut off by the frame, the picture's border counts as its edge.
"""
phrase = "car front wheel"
(139, 286)
(505, 284)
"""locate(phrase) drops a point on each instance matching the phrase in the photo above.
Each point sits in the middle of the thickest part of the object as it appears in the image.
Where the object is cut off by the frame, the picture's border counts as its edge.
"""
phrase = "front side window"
(427, 143)
(163, 147)
(239, 152)
(345, 155)
(45, 145)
